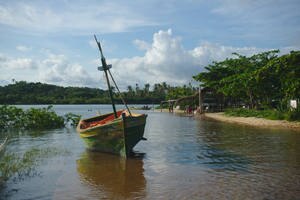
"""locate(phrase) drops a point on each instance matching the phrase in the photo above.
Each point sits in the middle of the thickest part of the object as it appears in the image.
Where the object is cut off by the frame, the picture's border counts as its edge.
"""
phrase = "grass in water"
(19, 167)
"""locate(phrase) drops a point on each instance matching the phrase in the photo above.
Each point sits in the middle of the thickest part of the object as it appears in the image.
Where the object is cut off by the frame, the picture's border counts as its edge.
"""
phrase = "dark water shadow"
(111, 176)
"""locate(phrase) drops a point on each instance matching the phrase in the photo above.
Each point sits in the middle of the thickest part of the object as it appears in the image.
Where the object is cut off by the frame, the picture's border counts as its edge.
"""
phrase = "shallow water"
(183, 158)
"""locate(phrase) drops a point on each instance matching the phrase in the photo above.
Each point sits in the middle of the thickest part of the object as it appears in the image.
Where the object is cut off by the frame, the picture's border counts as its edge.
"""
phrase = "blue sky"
(146, 41)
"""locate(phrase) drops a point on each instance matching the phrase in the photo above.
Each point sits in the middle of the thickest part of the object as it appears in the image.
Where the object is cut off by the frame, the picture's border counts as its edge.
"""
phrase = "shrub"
(34, 118)
(293, 115)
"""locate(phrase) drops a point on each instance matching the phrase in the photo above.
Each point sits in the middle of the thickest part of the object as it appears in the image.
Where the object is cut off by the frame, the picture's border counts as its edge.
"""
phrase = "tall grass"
(19, 167)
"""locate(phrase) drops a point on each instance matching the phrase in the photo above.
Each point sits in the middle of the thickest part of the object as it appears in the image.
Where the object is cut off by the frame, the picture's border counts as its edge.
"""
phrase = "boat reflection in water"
(111, 176)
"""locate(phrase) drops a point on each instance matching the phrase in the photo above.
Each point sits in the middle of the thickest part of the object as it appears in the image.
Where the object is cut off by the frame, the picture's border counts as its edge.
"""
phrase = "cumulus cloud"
(55, 69)
(16, 68)
(140, 44)
(16, 63)
(58, 70)
(165, 59)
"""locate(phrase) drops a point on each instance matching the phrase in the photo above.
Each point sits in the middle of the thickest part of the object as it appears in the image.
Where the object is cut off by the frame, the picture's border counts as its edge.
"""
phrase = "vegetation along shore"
(254, 121)
(264, 85)
(251, 121)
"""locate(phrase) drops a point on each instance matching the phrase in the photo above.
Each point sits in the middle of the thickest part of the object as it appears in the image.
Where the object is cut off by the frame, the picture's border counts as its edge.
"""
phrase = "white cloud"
(55, 69)
(80, 17)
(9, 63)
(17, 68)
(142, 45)
(3, 58)
(166, 60)
(208, 52)
(23, 48)
(29, 17)
(58, 70)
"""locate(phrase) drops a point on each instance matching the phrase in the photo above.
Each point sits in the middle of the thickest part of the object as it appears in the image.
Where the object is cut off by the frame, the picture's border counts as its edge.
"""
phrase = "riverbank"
(253, 121)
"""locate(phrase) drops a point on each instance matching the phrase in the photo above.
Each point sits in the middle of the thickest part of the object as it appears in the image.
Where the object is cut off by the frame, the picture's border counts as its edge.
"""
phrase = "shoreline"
(249, 121)
(253, 121)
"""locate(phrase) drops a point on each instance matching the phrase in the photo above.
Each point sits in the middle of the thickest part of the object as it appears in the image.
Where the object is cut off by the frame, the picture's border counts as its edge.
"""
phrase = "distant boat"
(3, 146)
(117, 132)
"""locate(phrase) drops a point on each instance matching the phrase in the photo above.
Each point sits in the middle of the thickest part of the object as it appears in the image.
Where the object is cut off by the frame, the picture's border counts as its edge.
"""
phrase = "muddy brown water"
(183, 158)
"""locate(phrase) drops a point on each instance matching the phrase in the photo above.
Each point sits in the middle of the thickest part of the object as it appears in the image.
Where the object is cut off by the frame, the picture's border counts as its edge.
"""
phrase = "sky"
(145, 41)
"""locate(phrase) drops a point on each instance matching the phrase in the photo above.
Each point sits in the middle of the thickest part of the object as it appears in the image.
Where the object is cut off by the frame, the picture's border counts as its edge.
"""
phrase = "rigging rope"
(112, 78)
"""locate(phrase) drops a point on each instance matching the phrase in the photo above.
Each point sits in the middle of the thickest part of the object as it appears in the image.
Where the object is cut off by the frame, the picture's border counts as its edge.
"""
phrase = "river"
(183, 158)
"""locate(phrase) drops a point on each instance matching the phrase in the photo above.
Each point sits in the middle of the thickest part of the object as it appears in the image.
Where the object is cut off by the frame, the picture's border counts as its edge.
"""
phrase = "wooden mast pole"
(104, 68)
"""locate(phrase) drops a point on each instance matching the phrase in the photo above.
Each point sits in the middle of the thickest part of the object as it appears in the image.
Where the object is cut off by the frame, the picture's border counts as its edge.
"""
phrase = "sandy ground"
(253, 121)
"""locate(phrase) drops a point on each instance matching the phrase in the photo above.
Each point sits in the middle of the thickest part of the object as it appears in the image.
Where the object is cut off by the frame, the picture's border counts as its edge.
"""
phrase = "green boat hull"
(118, 137)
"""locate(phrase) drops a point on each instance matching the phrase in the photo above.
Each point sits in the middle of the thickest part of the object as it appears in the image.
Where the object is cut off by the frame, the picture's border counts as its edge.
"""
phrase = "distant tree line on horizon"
(22, 92)
(262, 81)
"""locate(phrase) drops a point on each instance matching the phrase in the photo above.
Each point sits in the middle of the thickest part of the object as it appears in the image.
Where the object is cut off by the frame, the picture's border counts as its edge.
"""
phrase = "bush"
(42, 118)
(293, 115)
(34, 118)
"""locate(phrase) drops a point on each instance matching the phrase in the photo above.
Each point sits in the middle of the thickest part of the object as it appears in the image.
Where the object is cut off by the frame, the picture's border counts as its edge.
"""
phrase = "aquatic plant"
(19, 167)
(34, 118)
(72, 118)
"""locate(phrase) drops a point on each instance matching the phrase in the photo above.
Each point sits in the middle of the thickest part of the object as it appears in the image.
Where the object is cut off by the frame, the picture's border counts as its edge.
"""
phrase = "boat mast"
(105, 68)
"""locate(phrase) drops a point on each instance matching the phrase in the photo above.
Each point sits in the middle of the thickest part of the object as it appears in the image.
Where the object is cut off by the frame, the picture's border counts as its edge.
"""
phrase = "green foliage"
(262, 80)
(33, 118)
(38, 93)
(160, 92)
(268, 114)
(42, 118)
(180, 91)
(293, 115)
(11, 116)
(22, 92)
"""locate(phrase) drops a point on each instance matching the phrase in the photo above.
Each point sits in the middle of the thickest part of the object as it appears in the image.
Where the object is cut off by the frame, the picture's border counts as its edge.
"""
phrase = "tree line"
(22, 92)
(262, 81)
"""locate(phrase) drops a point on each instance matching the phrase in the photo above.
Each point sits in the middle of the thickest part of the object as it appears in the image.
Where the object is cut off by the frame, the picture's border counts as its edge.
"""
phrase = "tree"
(258, 80)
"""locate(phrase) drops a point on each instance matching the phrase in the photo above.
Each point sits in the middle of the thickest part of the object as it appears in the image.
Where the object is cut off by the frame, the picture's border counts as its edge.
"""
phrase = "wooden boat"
(106, 133)
(117, 132)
